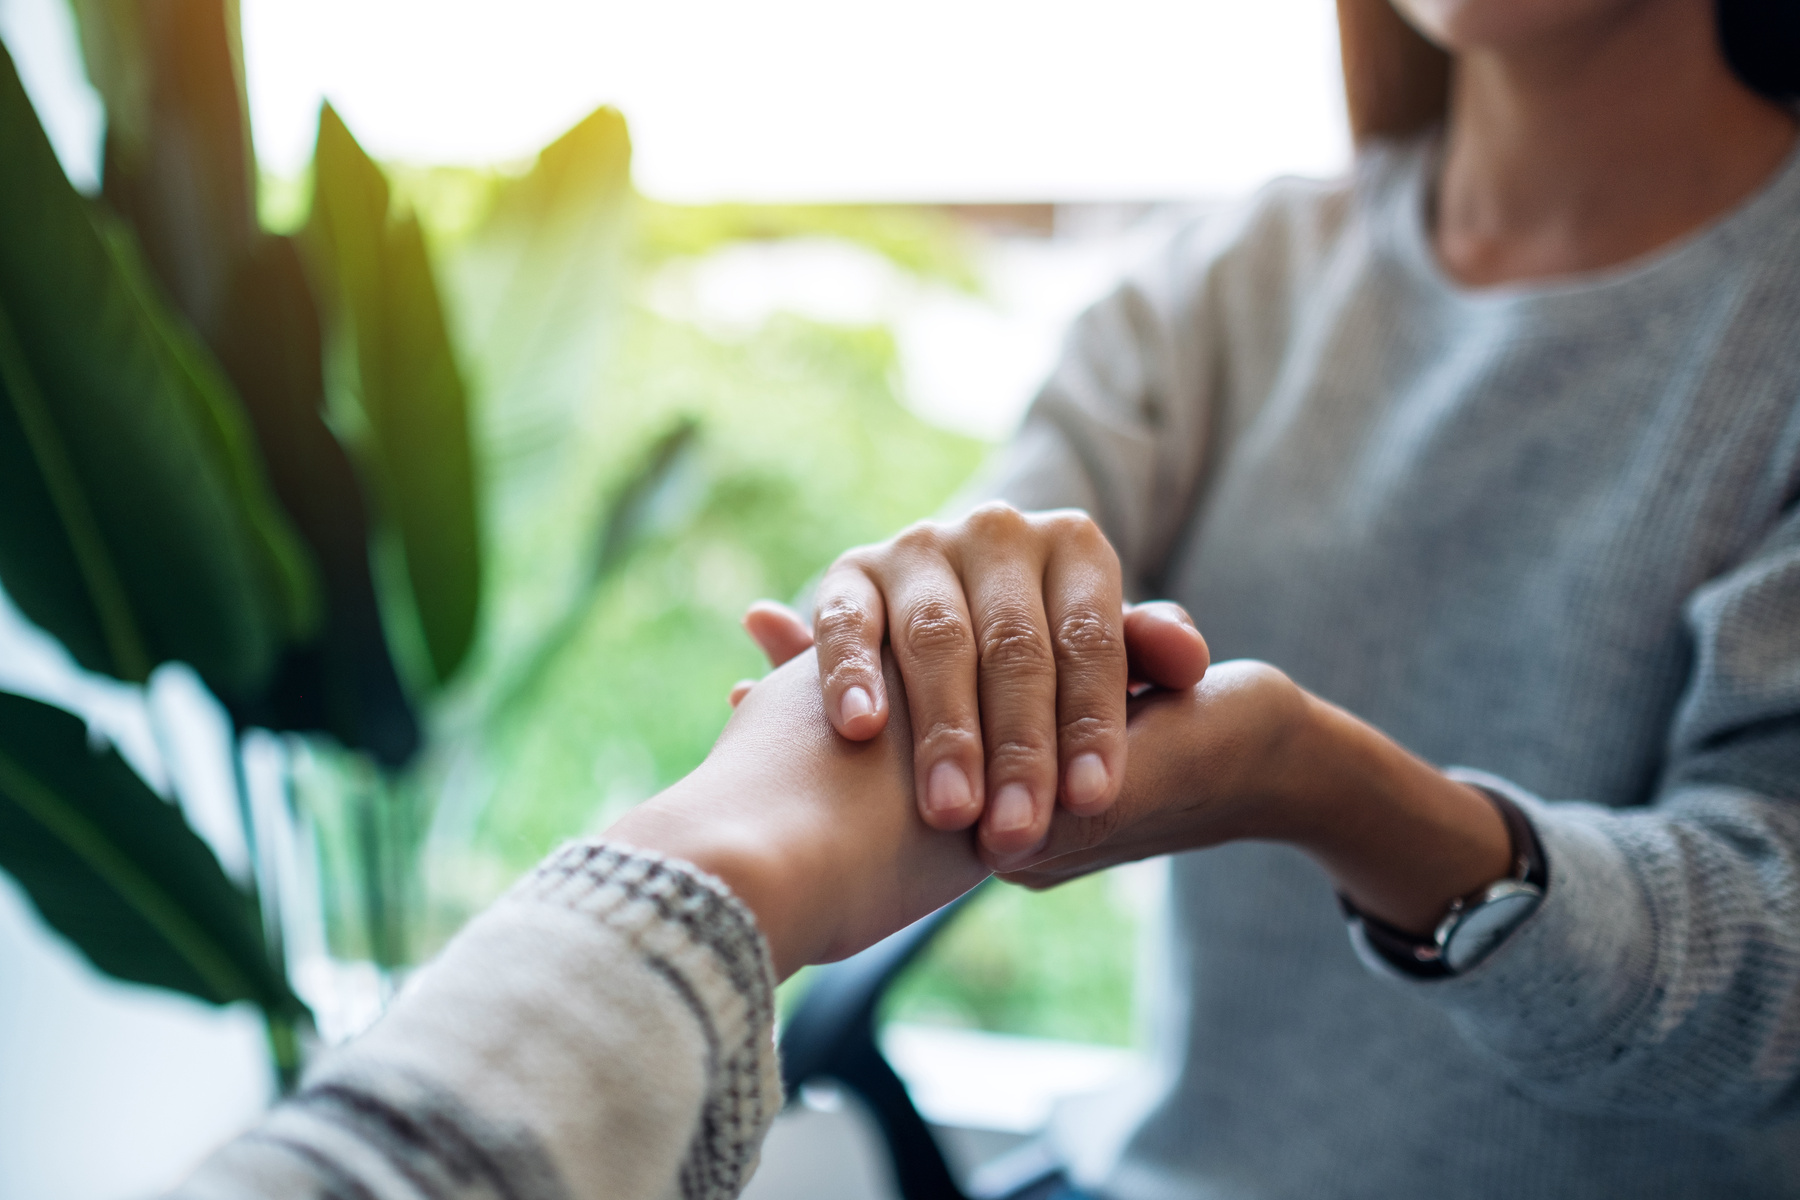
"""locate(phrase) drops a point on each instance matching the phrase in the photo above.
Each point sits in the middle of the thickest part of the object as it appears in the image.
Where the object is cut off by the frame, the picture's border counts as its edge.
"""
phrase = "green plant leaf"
(178, 170)
(116, 870)
(178, 162)
(538, 286)
(343, 681)
(139, 527)
(396, 391)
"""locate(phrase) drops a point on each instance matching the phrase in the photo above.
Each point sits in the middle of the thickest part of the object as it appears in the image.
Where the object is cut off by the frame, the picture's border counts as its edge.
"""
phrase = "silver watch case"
(1472, 929)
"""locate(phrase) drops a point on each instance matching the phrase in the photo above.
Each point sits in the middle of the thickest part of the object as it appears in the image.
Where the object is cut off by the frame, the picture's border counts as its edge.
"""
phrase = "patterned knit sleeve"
(605, 1030)
(1661, 975)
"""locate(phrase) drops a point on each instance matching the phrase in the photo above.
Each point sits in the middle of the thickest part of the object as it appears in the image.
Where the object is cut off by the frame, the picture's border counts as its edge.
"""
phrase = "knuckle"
(852, 668)
(996, 518)
(1088, 729)
(857, 558)
(1083, 633)
(921, 537)
(946, 739)
(1074, 528)
(1262, 674)
(1012, 642)
(843, 625)
(934, 628)
(1022, 753)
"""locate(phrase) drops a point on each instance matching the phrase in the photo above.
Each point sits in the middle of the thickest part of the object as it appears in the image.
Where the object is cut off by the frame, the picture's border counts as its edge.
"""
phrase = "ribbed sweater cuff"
(1555, 998)
(706, 942)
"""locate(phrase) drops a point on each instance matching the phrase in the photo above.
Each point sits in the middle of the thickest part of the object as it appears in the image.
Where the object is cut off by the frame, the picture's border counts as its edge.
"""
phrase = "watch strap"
(1422, 955)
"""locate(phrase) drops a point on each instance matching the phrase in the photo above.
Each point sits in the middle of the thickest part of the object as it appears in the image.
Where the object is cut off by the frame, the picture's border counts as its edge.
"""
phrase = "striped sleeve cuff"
(699, 937)
(605, 1029)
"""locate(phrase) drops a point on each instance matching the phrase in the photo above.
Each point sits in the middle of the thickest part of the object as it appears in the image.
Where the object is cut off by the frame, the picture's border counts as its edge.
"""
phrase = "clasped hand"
(1016, 647)
(824, 803)
(820, 836)
(860, 786)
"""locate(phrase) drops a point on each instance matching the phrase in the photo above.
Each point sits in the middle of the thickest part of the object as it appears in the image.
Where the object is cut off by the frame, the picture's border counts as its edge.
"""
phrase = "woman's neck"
(1600, 148)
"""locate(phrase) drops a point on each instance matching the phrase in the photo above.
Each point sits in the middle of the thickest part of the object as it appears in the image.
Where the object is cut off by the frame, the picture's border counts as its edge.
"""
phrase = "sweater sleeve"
(605, 1030)
(1121, 427)
(1156, 379)
(1661, 975)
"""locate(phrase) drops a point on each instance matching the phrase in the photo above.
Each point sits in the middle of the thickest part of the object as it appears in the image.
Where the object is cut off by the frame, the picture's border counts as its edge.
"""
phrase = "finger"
(1082, 597)
(739, 690)
(849, 623)
(1017, 690)
(778, 631)
(934, 648)
(1163, 645)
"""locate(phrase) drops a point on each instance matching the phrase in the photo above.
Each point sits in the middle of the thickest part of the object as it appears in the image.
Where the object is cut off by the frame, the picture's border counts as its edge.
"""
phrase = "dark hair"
(1762, 44)
(1396, 81)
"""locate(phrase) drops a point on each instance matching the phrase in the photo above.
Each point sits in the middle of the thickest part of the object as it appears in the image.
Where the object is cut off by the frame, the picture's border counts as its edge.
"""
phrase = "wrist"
(1401, 840)
(755, 867)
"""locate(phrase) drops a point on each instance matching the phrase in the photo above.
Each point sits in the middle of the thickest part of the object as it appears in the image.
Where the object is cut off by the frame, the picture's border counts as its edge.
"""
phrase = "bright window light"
(990, 100)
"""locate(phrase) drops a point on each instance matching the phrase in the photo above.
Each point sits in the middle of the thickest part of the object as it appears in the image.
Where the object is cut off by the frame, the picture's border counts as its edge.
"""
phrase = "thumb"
(1163, 646)
(777, 630)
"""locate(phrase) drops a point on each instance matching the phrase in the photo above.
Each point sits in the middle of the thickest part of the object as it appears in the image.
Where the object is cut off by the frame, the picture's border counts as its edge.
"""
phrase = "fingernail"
(948, 790)
(1174, 614)
(1086, 780)
(1012, 809)
(855, 703)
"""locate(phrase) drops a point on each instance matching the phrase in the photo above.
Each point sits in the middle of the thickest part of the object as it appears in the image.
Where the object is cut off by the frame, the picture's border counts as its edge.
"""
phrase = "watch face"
(1486, 925)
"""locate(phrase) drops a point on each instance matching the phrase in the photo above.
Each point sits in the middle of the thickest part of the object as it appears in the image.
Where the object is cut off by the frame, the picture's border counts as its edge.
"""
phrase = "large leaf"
(178, 162)
(538, 286)
(397, 392)
(115, 869)
(179, 170)
(138, 525)
(538, 291)
(343, 681)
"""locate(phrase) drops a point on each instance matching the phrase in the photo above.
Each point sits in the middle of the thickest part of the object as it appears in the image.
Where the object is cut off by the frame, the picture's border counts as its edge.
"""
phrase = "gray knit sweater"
(1547, 532)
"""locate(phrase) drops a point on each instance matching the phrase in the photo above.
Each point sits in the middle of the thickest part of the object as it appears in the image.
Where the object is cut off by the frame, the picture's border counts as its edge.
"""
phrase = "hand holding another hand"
(1010, 633)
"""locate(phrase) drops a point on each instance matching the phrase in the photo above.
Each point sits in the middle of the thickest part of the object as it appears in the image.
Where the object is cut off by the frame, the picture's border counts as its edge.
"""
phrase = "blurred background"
(822, 255)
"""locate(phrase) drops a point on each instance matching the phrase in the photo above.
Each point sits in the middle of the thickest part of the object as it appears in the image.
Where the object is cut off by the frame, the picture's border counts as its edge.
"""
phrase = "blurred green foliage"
(801, 448)
(800, 437)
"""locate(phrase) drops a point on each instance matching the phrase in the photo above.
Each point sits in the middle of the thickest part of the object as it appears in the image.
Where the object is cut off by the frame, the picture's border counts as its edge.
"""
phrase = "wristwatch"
(1475, 924)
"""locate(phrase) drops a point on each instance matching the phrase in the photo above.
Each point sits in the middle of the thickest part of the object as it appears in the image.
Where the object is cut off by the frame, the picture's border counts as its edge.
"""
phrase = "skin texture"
(817, 834)
(1157, 646)
(1245, 753)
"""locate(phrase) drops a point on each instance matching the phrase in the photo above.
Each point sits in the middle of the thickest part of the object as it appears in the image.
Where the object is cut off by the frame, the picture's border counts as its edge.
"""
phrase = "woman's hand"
(1248, 754)
(819, 836)
(1209, 764)
(1010, 632)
